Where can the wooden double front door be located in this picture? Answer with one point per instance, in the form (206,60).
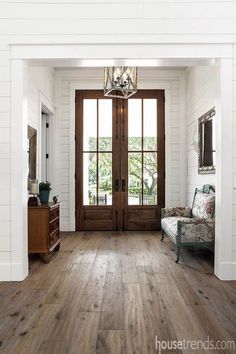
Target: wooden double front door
(120,161)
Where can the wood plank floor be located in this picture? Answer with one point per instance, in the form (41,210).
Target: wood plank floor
(113,293)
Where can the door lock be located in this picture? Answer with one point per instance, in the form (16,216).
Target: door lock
(123,185)
(117,184)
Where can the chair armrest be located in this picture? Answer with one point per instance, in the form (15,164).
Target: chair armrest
(177,211)
(196,230)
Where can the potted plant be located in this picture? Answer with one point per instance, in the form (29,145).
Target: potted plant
(44,191)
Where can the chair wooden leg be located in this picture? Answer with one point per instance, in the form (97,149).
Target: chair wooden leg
(162,234)
(212,247)
(177,253)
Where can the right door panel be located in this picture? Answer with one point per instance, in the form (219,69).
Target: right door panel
(143,160)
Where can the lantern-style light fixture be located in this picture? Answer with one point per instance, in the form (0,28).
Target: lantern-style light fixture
(120,81)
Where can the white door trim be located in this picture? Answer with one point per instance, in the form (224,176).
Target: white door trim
(19,197)
(151,85)
(45,104)
(152,53)
(224,267)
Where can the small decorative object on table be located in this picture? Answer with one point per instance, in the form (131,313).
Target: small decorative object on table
(44,191)
(55,199)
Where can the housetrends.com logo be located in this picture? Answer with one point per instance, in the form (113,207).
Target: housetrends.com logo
(184,344)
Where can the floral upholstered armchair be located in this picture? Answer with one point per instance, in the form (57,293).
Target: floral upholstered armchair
(191,226)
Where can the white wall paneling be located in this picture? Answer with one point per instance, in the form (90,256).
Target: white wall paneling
(106,10)
(41,86)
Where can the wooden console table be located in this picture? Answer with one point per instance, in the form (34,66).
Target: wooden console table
(44,230)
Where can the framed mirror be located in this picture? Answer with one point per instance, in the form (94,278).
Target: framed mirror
(32,153)
(206,143)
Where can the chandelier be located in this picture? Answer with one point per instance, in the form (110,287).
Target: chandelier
(120,81)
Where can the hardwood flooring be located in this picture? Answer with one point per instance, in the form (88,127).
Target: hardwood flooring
(115,293)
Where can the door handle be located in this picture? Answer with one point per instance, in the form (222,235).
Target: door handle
(123,185)
(117,183)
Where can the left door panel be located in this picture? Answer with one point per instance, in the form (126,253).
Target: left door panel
(94,161)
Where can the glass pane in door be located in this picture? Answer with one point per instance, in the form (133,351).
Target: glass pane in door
(150,178)
(134,124)
(135,178)
(89,178)
(97,152)
(105,125)
(149,124)
(90,125)
(105,178)
(142,151)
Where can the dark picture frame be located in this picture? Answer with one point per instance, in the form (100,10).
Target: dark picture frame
(32,153)
(206,151)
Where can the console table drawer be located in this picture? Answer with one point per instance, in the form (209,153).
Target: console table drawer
(53,238)
(54,213)
(54,225)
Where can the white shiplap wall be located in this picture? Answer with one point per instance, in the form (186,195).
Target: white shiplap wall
(173,79)
(166,21)
(117,21)
(201,97)
(41,82)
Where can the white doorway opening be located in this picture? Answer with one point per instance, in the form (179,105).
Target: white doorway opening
(154,55)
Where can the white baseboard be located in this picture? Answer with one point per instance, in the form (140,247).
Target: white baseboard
(13,272)
(65,226)
(227,271)
(19,271)
(5,272)
(233,271)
